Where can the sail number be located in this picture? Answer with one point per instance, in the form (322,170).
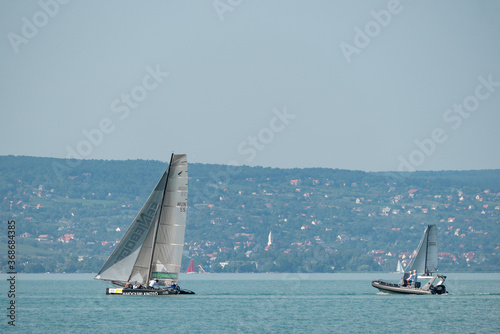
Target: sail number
(182,206)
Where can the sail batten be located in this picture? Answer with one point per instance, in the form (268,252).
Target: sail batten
(152,247)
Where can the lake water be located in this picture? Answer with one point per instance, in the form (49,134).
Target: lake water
(253,303)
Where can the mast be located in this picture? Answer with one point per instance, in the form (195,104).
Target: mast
(157,222)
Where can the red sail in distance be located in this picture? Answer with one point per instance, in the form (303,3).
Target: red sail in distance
(191,267)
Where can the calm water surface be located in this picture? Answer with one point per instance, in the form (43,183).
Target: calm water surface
(254,303)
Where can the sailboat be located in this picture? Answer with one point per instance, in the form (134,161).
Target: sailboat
(425,262)
(191,269)
(151,250)
(399,268)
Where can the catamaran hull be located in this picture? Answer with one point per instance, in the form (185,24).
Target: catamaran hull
(395,288)
(146,292)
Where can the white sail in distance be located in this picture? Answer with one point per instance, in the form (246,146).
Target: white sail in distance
(399,268)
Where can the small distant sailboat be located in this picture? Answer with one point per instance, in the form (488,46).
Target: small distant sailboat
(151,250)
(425,261)
(399,268)
(191,269)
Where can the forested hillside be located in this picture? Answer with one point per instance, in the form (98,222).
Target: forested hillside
(70,214)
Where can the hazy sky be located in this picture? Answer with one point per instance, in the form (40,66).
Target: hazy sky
(368,85)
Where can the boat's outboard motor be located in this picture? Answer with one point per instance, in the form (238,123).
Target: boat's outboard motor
(440,289)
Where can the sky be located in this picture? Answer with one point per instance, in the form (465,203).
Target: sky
(363,85)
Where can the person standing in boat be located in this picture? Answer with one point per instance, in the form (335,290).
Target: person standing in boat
(413,278)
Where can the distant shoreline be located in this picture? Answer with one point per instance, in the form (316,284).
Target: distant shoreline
(263,276)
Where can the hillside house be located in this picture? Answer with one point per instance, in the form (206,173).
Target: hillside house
(66,238)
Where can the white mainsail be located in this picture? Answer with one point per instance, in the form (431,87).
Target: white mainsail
(152,247)
(426,258)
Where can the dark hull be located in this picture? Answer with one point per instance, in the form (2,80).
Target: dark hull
(147,292)
(395,288)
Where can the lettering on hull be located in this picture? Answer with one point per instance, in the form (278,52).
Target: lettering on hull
(140,293)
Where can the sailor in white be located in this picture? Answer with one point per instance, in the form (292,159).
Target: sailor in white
(154,284)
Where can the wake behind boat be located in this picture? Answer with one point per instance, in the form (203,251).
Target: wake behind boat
(425,261)
(147,260)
